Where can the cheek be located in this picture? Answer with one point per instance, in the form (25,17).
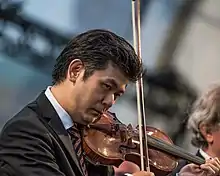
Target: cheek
(216,137)
(89,96)
(93,96)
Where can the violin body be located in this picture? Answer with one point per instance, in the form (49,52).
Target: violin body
(112,149)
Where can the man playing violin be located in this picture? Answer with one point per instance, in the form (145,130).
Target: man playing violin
(44,139)
(204,123)
(89,75)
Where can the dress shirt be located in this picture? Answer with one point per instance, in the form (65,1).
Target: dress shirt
(63,115)
(204,154)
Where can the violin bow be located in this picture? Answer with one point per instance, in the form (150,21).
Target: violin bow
(145,166)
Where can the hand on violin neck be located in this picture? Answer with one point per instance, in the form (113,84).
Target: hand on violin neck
(210,168)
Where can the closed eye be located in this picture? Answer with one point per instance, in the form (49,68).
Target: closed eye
(107,87)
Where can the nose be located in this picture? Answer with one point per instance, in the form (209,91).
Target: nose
(108,101)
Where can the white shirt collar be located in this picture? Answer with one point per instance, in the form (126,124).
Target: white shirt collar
(64,116)
(204,154)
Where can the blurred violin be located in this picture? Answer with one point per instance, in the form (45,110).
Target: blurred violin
(110,142)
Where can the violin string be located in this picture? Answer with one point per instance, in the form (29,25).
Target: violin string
(174,150)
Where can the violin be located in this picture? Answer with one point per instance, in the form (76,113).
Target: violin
(110,142)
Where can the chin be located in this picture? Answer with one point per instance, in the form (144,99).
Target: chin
(88,120)
(90,117)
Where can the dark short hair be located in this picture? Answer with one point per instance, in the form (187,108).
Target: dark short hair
(96,49)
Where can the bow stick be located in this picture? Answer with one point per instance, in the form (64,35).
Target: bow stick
(139,87)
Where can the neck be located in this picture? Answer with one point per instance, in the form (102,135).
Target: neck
(210,152)
(61,94)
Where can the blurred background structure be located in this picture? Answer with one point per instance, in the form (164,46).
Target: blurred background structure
(180,50)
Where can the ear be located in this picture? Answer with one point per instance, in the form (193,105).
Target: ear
(206,133)
(74,69)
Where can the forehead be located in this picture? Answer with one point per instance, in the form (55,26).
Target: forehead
(111,73)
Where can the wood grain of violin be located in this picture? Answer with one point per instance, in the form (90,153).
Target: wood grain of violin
(110,142)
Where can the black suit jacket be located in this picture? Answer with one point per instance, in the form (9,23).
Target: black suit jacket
(35,143)
(182,163)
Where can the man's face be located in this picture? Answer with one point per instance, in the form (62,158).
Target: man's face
(212,135)
(97,93)
(215,144)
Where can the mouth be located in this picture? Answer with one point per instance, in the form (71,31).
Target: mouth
(97,114)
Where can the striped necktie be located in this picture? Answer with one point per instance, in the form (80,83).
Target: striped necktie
(77,144)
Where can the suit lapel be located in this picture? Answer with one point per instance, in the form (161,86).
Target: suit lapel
(48,113)
(57,126)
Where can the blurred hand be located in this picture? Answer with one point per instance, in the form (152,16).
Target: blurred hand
(126,167)
(143,173)
(129,167)
(210,168)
